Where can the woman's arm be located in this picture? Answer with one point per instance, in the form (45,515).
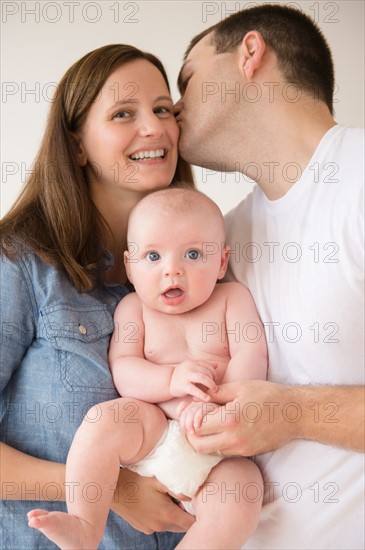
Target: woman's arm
(143,502)
(24,477)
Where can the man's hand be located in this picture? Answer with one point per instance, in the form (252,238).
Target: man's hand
(259,416)
(190,374)
(246,424)
(145,504)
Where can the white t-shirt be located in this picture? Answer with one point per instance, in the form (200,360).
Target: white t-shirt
(302,257)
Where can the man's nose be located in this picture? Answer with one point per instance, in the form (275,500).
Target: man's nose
(177,107)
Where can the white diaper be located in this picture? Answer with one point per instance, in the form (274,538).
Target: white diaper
(175,463)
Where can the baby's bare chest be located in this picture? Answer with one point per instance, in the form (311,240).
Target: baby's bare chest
(175,338)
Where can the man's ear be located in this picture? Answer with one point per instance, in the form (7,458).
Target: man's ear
(127,266)
(251,51)
(79,149)
(226,250)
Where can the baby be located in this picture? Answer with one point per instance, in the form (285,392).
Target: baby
(176,339)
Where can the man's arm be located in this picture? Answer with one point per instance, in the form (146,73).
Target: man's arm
(259,416)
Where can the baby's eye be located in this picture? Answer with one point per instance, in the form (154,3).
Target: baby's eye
(193,254)
(153,256)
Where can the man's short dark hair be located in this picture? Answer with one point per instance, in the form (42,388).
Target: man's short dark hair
(303,54)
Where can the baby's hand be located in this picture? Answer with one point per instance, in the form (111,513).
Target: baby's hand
(191,414)
(188,374)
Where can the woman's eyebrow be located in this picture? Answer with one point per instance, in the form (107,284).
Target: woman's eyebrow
(135,100)
(163,98)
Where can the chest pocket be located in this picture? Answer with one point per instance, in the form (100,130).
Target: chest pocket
(80,339)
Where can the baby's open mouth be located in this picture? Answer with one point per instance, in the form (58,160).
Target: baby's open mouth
(173,293)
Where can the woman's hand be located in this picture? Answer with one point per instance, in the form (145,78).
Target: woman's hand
(145,504)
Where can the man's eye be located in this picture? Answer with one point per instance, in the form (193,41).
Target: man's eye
(183,84)
(153,256)
(193,254)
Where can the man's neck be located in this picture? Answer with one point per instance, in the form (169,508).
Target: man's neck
(284,146)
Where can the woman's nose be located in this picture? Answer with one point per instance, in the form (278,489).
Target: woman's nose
(151,125)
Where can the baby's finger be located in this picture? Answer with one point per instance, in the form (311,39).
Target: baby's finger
(194,391)
(181,407)
(198,417)
(188,420)
(205,380)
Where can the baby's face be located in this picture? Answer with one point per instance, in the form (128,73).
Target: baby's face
(175,260)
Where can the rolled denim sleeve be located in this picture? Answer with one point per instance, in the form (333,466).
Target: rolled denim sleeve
(18,326)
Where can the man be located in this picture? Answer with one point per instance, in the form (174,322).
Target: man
(257,97)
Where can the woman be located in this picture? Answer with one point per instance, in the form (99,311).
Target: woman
(111,138)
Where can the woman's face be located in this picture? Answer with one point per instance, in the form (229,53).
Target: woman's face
(129,139)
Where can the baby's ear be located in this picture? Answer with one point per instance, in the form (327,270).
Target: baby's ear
(127,265)
(226,250)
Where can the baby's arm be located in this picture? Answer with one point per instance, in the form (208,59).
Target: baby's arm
(135,376)
(247,348)
(246,337)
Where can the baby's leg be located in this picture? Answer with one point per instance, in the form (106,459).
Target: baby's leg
(227,507)
(116,432)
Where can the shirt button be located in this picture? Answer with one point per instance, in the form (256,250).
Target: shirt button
(82,329)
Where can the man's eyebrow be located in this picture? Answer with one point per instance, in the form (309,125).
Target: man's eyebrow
(180,78)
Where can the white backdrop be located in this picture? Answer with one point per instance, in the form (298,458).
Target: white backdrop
(40,40)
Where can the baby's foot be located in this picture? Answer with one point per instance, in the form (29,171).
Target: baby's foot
(67,531)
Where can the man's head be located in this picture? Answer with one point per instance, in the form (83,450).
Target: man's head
(176,250)
(225,79)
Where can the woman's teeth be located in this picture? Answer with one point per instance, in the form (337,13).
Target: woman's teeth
(159,153)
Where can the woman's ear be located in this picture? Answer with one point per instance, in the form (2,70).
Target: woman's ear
(251,51)
(79,149)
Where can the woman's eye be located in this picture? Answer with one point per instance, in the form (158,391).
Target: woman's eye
(153,256)
(193,254)
(163,110)
(122,114)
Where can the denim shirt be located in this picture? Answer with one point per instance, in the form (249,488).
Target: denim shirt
(54,367)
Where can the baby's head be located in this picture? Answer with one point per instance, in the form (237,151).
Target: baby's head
(176,249)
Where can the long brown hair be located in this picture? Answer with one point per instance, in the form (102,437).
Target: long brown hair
(54,215)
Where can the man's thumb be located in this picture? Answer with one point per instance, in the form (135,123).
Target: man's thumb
(225,393)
